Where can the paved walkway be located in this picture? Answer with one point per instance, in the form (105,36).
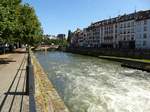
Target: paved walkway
(12,83)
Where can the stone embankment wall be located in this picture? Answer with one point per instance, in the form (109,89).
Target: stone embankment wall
(47,98)
(122,56)
(132,53)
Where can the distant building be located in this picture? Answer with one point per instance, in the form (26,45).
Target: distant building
(126,32)
(50,36)
(61,36)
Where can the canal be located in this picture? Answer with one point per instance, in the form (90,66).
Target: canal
(89,84)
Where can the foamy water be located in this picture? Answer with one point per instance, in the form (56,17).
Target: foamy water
(89,84)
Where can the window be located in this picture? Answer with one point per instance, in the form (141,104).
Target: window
(129,24)
(144,43)
(124,25)
(128,30)
(145,22)
(121,25)
(145,28)
(145,35)
(132,23)
(124,32)
(132,30)
(140,36)
(132,36)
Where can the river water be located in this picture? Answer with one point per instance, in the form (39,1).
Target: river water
(89,84)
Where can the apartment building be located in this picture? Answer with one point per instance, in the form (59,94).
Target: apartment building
(128,31)
(107,33)
(142,30)
(93,36)
(77,39)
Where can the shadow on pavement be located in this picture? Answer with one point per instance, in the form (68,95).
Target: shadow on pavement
(16,93)
(6,60)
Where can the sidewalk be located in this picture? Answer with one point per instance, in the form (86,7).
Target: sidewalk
(12,83)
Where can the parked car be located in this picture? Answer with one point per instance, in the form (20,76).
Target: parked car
(4,48)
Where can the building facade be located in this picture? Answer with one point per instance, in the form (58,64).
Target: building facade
(129,31)
(142,30)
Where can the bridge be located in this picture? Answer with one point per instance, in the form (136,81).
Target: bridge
(47,47)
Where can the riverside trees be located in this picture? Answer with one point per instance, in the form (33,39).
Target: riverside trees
(18,23)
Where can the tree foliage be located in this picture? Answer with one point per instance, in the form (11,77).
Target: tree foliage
(19,23)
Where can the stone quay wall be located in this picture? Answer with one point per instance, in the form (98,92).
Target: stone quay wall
(129,53)
(46,97)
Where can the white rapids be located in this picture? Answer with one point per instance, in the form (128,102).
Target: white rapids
(88,84)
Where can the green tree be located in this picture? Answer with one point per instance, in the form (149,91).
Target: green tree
(30,27)
(19,23)
(8,19)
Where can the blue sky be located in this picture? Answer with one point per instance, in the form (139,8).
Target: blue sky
(58,16)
